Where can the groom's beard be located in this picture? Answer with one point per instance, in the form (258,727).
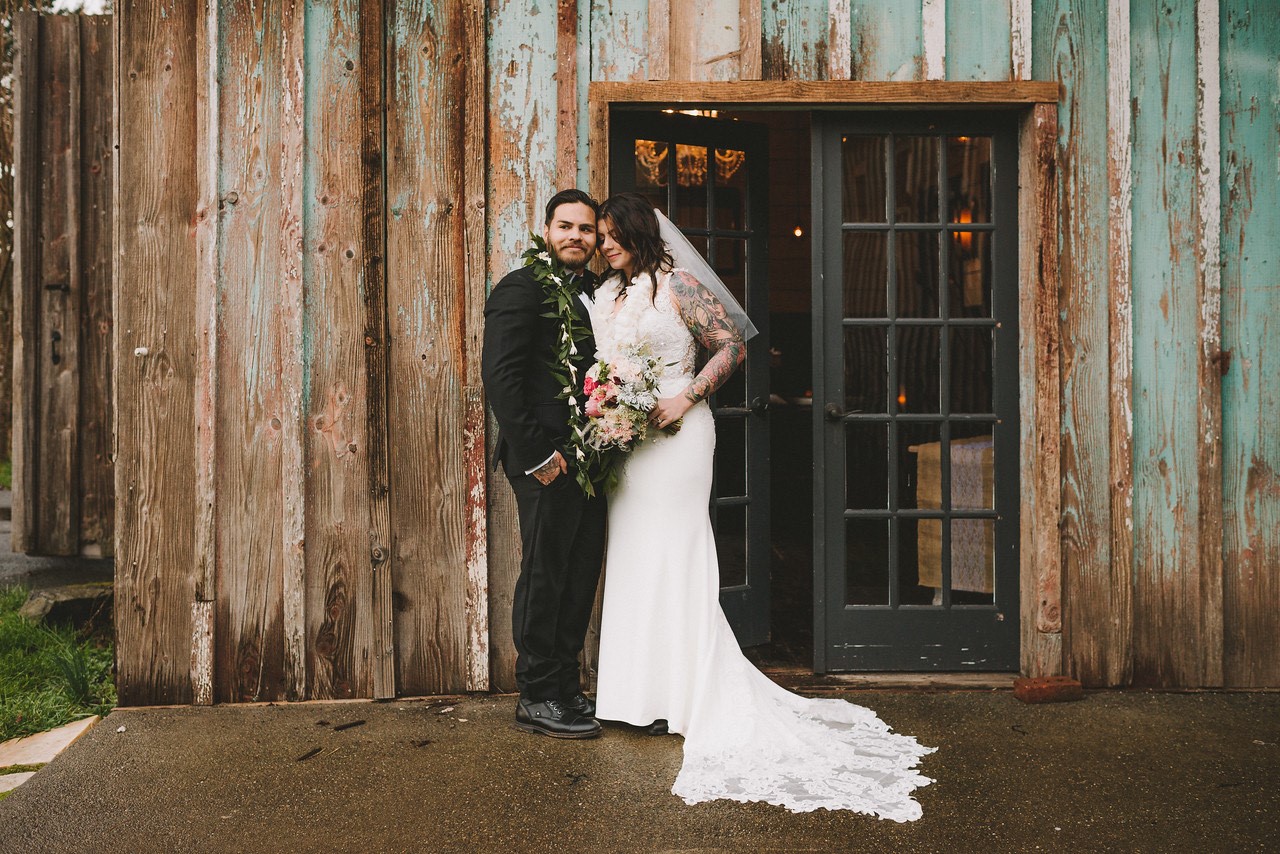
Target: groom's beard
(574,262)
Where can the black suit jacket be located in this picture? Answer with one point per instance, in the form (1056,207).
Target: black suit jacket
(518,346)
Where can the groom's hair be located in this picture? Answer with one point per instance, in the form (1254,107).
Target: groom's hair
(570,197)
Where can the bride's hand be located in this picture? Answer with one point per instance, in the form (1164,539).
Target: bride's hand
(669,410)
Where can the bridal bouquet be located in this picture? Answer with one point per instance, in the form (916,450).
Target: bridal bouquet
(619,396)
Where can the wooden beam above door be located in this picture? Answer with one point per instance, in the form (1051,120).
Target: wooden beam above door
(833,92)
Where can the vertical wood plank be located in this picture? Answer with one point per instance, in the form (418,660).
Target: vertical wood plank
(97,504)
(1120,337)
(749,40)
(1020,39)
(704,42)
(933,38)
(57,497)
(566,93)
(886,44)
(374,623)
(292,314)
(207,231)
(1070,35)
(425,298)
(521,151)
(978,41)
(156,199)
(26,276)
(1166,504)
(1250,128)
(621,54)
(343,343)
(794,35)
(660,39)
(1208,225)
(243,52)
(1041,577)
(839,50)
(475,174)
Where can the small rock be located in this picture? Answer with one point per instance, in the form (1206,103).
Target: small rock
(74,604)
(120,728)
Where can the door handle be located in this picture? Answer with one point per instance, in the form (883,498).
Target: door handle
(834,413)
(759,406)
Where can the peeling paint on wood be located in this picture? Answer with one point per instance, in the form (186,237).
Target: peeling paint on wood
(292,320)
(1167,573)
(839,46)
(1040,422)
(1020,39)
(1070,37)
(933,37)
(1250,138)
(885,40)
(794,33)
(1208,210)
(660,26)
(1120,250)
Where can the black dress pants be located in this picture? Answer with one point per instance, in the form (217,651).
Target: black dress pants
(562,532)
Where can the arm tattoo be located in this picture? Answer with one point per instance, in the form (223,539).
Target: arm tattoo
(710,325)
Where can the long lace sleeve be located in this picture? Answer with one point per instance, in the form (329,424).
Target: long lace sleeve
(707,320)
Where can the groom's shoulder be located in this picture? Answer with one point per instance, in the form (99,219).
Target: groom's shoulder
(515,288)
(520,276)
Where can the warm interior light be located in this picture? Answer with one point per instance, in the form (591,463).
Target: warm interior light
(798,231)
(965,237)
(902,395)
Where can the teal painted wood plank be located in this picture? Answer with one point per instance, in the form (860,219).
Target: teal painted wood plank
(612,45)
(1070,46)
(1166,342)
(885,38)
(522,125)
(522,163)
(978,40)
(619,38)
(795,34)
(1250,45)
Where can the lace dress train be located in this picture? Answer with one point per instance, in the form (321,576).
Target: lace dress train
(667,651)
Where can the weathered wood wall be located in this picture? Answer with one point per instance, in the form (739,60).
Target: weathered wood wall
(304,507)
(297,189)
(62,469)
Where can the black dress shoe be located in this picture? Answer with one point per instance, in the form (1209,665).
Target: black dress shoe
(550,717)
(582,704)
(658,727)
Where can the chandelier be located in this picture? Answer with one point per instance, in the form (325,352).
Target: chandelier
(691,163)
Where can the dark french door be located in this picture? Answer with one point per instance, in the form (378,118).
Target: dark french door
(709,177)
(915,392)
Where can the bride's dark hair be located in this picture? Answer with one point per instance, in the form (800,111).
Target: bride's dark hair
(634,226)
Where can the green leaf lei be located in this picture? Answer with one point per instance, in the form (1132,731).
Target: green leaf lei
(554,279)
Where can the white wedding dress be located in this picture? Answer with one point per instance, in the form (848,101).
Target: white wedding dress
(666,649)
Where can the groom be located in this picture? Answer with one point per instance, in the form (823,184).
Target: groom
(561,530)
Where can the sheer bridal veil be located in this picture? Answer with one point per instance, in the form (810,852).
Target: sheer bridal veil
(686,256)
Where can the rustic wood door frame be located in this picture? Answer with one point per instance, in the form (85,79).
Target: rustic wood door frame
(1040,408)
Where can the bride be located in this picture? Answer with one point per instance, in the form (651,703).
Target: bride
(668,658)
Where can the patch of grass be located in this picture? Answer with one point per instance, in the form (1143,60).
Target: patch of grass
(6,474)
(48,676)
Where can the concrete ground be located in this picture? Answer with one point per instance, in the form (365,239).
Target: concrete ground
(1118,771)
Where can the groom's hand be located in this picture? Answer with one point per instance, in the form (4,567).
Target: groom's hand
(553,468)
